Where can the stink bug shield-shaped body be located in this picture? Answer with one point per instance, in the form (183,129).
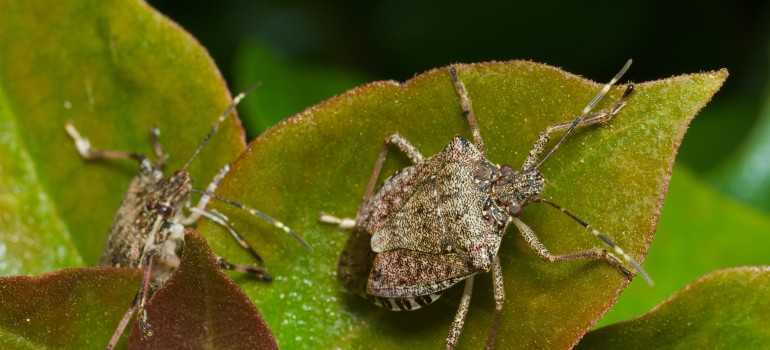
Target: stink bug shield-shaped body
(441,220)
(149,223)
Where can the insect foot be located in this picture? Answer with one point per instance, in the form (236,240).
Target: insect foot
(440,221)
(149,224)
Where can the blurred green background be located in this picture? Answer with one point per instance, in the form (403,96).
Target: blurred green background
(717,213)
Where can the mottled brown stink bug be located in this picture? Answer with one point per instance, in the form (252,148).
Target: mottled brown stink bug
(441,220)
(149,223)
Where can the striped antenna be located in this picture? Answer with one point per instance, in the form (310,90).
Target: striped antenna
(258,214)
(601,236)
(221,118)
(588,109)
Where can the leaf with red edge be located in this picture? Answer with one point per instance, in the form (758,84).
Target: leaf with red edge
(66,309)
(614,176)
(199,307)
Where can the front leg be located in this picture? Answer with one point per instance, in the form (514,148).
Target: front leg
(533,158)
(465,102)
(84,148)
(593,254)
(257,272)
(197,211)
(223,221)
(160,156)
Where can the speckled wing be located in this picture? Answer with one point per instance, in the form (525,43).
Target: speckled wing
(445,208)
(405,273)
(390,198)
(125,243)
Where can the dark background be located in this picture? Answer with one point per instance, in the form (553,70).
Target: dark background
(397,39)
(376,40)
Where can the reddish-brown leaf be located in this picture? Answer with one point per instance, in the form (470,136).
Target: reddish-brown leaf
(199,307)
(65,309)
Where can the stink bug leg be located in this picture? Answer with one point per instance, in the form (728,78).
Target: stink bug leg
(441,220)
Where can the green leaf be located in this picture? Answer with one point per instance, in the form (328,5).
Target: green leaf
(700,231)
(66,309)
(115,69)
(199,307)
(613,176)
(726,309)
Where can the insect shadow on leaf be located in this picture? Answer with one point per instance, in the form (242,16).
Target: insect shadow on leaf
(149,223)
(441,220)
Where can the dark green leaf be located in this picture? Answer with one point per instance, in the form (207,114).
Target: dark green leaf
(726,309)
(613,176)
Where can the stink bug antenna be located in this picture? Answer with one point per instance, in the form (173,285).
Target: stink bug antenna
(221,118)
(258,214)
(601,236)
(589,107)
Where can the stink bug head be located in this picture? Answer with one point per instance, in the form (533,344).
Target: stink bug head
(512,190)
(170,195)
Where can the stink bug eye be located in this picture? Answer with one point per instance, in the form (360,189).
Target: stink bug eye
(506,170)
(165,210)
(161,209)
(515,210)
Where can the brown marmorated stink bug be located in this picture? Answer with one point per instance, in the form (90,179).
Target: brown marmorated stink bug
(441,220)
(149,223)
